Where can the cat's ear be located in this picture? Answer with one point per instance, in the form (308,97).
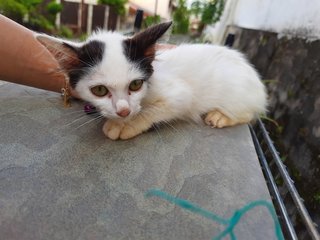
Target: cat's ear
(149,36)
(142,45)
(63,52)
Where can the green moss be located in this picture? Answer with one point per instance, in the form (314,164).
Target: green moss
(290,94)
(263,41)
(316,197)
(270,81)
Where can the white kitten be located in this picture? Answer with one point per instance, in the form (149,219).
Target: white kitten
(134,86)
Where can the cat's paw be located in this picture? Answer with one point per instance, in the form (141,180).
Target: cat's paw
(112,129)
(218,120)
(129,131)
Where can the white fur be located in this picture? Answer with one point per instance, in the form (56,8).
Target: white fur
(115,72)
(188,82)
(196,79)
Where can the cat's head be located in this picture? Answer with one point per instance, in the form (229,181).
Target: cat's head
(109,70)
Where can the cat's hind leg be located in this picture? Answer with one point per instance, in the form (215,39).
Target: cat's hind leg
(218,119)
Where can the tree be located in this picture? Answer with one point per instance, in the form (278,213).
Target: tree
(119,5)
(197,7)
(212,11)
(209,11)
(27,12)
(181,18)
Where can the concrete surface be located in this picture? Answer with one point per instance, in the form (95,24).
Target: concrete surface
(59,182)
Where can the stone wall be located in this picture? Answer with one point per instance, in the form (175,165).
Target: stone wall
(291,69)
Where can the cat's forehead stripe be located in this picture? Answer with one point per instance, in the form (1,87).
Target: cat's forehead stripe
(141,56)
(90,54)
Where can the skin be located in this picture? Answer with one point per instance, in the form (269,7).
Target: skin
(28,62)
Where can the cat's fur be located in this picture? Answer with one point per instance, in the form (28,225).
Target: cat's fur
(189,82)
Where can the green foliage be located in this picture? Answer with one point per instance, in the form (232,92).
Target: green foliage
(39,21)
(118,4)
(83,37)
(27,13)
(181,18)
(197,7)
(65,32)
(151,20)
(209,10)
(12,8)
(54,8)
(316,197)
(17,9)
(212,11)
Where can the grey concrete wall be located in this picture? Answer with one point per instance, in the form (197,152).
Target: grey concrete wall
(291,68)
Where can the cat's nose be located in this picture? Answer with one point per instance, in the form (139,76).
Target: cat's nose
(124,112)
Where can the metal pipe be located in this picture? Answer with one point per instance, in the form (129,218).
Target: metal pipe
(289,183)
(273,187)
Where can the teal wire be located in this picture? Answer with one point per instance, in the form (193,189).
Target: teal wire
(186,205)
(231,223)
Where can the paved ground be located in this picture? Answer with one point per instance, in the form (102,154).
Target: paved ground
(60,182)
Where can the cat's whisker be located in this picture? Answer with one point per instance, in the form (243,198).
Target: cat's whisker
(70,113)
(169,123)
(76,120)
(156,127)
(92,120)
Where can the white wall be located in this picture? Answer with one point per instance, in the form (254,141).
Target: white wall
(296,17)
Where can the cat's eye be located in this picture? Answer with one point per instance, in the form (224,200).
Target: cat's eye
(135,85)
(99,90)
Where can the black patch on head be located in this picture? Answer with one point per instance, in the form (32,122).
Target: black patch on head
(140,49)
(136,54)
(88,55)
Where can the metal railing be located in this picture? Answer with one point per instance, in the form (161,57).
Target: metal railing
(286,198)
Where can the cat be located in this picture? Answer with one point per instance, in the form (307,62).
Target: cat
(136,86)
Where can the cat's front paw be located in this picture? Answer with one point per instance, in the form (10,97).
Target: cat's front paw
(128,131)
(112,129)
(115,129)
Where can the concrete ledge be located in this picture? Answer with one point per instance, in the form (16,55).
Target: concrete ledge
(59,182)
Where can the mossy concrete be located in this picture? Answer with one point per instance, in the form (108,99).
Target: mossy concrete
(290,67)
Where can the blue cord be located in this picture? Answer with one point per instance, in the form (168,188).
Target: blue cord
(230,223)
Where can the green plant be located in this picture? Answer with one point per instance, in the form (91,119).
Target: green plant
(208,11)
(316,197)
(151,20)
(53,8)
(212,11)
(197,7)
(118,4)
(13,9)
(181,18)
(83,37)
(65,32)
(39,22)
(18,9)
(27,12)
